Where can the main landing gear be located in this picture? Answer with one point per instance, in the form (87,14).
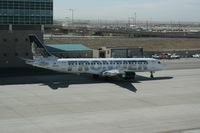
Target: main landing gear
(95,76)
(129,75)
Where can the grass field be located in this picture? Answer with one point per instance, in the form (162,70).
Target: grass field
(149,44)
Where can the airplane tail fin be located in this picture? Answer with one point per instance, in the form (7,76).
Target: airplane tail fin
(38,49)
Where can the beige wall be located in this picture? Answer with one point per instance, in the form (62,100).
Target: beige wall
(126,52)
(95,53)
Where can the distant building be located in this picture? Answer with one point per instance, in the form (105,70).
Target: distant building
(18,19)
(120,52)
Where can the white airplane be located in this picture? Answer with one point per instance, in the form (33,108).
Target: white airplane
(108,67)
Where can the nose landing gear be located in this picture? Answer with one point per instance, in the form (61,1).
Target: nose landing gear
(152,76)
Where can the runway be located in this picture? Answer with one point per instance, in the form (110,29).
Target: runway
(78,104)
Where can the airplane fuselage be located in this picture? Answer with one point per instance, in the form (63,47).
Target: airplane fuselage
(99,66)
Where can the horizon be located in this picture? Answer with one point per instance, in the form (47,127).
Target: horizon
(126,21)
(155,11)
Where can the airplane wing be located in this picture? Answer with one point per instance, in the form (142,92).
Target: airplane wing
(111,73)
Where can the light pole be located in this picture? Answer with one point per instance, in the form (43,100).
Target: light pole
(135,19)
(129,22)
(72,10)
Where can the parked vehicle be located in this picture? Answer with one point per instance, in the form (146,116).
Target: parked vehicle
(156,56)
(162,55)
(196,56)
(175,56)
(165,55)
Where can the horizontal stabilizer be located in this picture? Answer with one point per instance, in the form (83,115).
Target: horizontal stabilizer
(28,61)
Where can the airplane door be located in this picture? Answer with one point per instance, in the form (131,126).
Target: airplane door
(152,65)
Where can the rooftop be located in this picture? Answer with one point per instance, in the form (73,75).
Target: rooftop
(66,47)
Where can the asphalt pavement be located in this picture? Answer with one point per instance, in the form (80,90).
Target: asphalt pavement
(52,103)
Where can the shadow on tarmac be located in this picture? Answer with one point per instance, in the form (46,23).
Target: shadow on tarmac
(87,79)
(59,81)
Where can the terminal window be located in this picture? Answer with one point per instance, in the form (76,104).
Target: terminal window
(4,54)
(26,11)
(16,54)
(16,40)
(5,40)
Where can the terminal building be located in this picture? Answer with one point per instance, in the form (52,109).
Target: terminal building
(18,19)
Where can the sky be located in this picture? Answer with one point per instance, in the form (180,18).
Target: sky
(152,10)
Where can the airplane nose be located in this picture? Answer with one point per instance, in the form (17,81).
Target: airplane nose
(163,65)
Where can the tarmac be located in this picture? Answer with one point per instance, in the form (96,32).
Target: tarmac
(170,103)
